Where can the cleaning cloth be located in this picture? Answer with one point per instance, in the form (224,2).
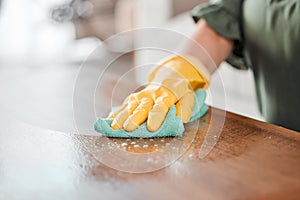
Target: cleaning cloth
(172,125)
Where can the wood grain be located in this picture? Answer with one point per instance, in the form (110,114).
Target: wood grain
(251,160)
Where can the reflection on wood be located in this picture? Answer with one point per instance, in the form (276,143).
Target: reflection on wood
(251,160)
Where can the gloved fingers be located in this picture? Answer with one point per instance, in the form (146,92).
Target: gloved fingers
(123,115)
(113,115)
(139,115)
(133,102)
(184,107)
(124,105)
(119,120)
(158,113)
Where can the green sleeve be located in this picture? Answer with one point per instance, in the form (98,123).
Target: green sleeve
(224,16)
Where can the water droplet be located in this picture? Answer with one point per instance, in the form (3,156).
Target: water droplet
(149,159)
(124,144)
(136,146)
(133,142)
(145,146)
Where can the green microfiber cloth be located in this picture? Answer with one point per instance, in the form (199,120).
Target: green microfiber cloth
(172,126)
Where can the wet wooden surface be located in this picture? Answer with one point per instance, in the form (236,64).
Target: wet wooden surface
(251,160)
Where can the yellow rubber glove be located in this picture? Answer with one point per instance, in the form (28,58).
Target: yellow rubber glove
(171,83)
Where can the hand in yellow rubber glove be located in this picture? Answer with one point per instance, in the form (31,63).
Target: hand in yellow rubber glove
(171,83)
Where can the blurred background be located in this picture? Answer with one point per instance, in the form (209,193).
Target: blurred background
(44,42)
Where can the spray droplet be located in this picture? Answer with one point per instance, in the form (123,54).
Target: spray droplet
(150,159)
(124,144)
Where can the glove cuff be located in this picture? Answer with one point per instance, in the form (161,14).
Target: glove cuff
(188,67)
(196,63)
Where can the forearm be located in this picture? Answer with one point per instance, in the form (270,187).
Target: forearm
(216,46)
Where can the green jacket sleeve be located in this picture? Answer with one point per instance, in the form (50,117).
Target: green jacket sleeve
(224,16)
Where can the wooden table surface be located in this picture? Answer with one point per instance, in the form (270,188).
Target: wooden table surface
(251,160)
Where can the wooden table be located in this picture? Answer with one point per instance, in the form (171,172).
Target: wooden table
(251,160)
